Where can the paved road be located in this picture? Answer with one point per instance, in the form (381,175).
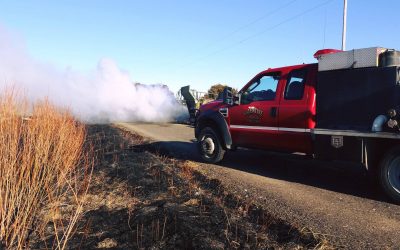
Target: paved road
(321,196)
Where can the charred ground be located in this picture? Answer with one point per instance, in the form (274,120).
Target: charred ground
(140,199)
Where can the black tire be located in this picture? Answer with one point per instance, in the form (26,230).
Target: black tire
(210,146)
(389,174)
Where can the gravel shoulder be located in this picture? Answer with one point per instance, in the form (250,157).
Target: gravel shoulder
(340,205)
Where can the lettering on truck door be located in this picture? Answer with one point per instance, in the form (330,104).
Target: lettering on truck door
(254,121)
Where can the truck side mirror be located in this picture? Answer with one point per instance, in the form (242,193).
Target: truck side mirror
(227,97)
(237,99)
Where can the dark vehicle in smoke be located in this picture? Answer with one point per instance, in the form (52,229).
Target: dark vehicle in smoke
(190,103)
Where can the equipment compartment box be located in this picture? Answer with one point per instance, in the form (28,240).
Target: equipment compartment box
(359,58)
(351,99)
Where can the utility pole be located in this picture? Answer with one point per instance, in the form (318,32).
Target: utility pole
(344,25)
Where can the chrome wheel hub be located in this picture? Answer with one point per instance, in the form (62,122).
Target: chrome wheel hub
(208,145)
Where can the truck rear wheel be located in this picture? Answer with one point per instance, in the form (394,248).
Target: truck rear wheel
(389,175)
(210,146)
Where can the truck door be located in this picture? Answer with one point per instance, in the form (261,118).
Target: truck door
(254,122)
(297,109)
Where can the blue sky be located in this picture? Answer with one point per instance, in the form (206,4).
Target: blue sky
(200,43)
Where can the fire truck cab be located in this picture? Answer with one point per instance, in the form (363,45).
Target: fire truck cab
(342,108)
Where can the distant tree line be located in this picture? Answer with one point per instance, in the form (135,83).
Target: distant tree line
(215,91)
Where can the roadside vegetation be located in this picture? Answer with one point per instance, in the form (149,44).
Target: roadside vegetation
(142,199)
(45,169)
(138,198)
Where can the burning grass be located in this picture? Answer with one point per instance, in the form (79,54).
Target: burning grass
(45,168)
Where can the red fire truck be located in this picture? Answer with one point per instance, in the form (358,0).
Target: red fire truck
(342,108)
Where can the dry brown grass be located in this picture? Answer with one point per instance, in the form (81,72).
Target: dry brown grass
(43,161)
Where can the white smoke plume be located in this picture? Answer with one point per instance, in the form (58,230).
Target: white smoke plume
(107,94)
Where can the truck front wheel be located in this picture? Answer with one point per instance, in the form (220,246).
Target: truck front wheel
(210,146)
(389,175)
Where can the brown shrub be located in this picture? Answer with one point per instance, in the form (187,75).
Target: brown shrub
(43,161)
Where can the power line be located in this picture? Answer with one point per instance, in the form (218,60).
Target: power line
(250,23)
(262,32)
(243,27)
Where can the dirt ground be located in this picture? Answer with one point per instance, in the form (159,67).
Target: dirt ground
(142,200)
(332,199)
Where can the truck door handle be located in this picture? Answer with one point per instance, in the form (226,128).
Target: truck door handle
(273,112)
